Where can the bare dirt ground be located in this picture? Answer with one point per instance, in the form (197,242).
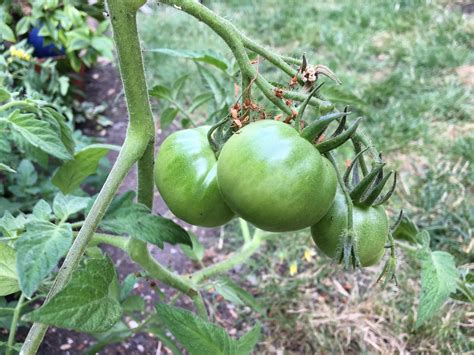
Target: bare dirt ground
(103,86)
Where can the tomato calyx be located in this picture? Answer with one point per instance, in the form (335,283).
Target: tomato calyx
(348,249)
(389,270)
(367,191)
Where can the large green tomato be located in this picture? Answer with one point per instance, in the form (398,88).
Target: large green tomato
(275,179)
(370,225)
(185,175)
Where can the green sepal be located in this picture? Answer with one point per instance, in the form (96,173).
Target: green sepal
(338,140)
(314,130)
(375,192)
(361,188)
(353,164)
(389,194)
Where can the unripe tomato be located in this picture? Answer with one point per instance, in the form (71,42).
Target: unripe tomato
(275,179)
(369,223)
(185,175)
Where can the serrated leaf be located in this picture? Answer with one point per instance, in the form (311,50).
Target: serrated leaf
(196,335)
(244,296)
(337,94)
(39,250)
(195,251)
(4,94)
(134,303)
(9,225)
(6,32)
(439,278)
(8,276)
(248,341)
(200,100)
(160,92)
(39,134)
(227,292)
(137,221)
(42,210)
(208,57)
(167,117)
(406,230)
(23,25)
(179,84)
(65,206)
(86,303)
(85,163)
(127,286)
(214,85)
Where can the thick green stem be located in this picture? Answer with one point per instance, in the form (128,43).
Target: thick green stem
(131,151)
(146,183)
(140,132)
(14,325)
(237,258)
(139,253)
(244,228)
(103,238)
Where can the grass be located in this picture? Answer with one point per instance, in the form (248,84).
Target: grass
(406,62)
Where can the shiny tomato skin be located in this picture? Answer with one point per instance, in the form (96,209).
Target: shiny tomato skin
(185,175)
(370,225)
(273,178)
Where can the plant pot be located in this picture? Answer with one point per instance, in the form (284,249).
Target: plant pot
(42,50)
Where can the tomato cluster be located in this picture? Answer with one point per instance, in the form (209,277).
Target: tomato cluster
(270,175)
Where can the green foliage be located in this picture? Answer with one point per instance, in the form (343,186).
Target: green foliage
(137,221)
(8,275)
(88,303)
(439,278)
(84,163)
(64,25)
(201,337)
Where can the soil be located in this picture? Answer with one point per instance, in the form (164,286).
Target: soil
(103,85)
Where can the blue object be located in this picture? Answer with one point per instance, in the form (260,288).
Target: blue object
(40,49)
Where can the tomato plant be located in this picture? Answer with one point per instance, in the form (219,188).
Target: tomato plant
(279,172)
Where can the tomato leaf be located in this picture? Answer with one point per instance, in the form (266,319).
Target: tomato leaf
(42,210)
(200,337)
(4,94)
(160,92)
(39,134)
(136,220)
(439,278)
(8,275)
(200,100)
(233,292)
(85,163)
(87,303)
(65,206)
(336,94)
(167,117)
(39,250)
(208,57)
(6,32)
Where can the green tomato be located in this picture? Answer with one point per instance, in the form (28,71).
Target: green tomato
(369,223)
(275,179)
(185,175)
